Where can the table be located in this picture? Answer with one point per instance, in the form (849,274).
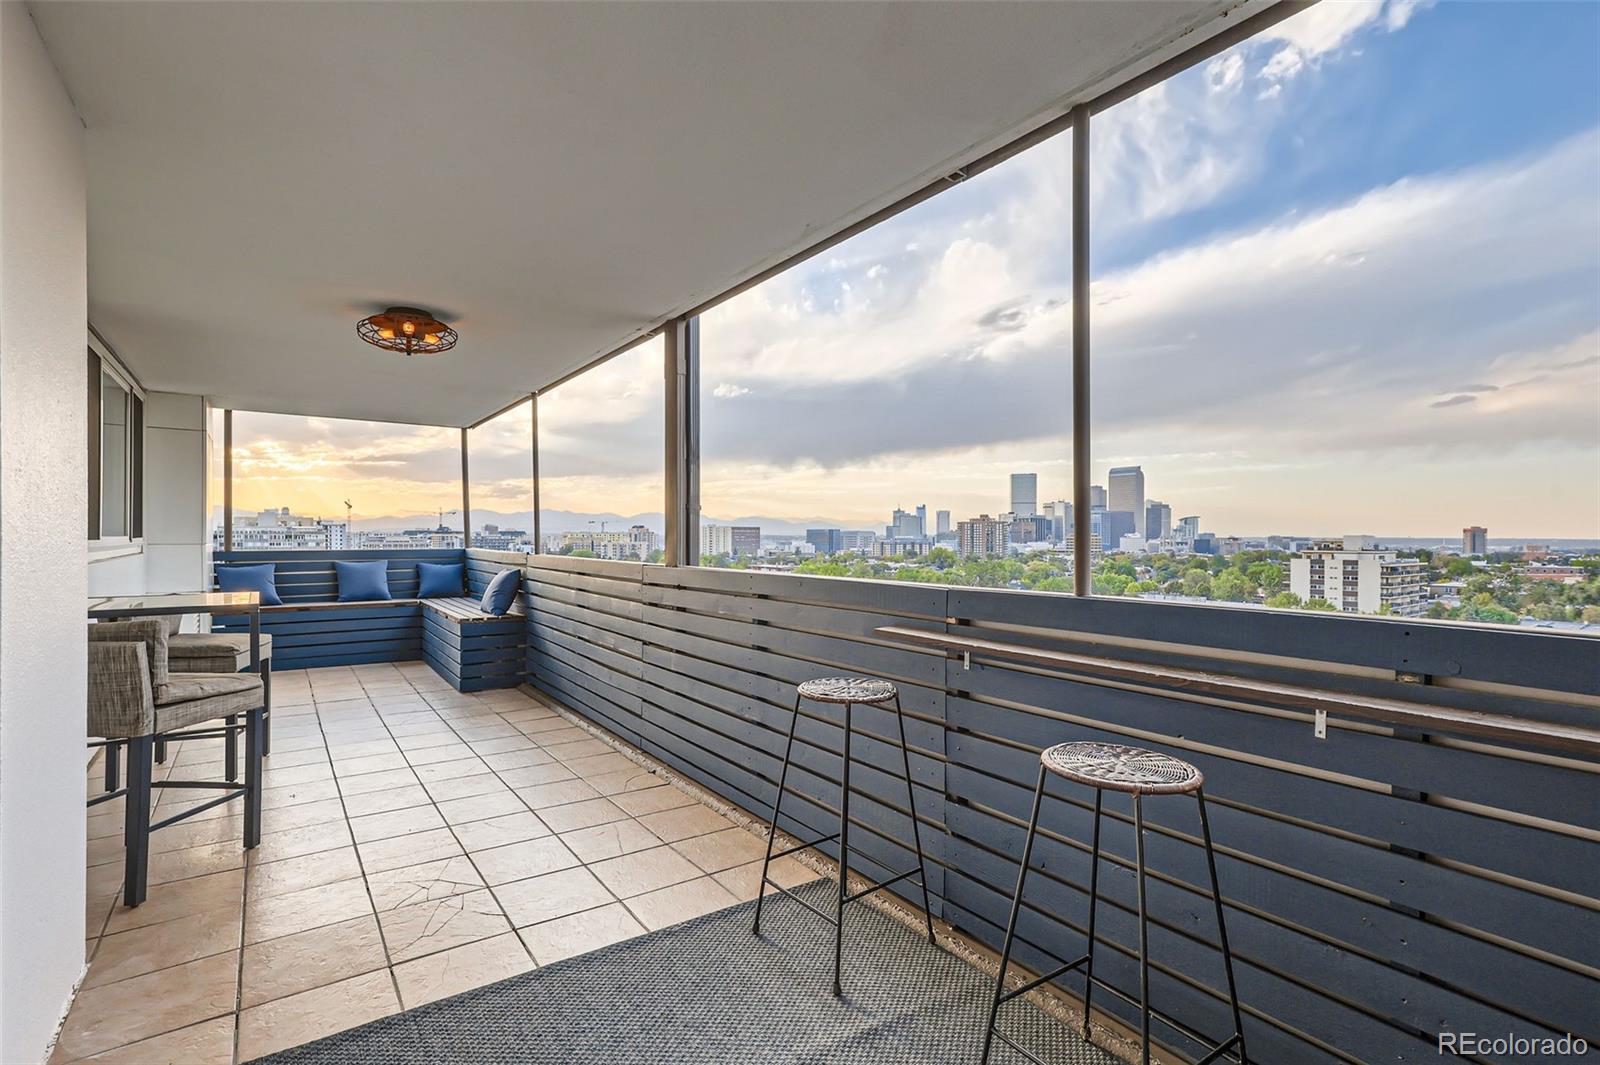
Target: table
(110,608)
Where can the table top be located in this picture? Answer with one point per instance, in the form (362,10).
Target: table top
(176,603)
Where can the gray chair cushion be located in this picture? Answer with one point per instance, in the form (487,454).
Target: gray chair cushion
(214,652)
(191,698)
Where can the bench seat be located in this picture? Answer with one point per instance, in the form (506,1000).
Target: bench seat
(306,635)
(473,650)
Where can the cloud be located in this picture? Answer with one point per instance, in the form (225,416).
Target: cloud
(1237,357)
(1454,401)
(726,390)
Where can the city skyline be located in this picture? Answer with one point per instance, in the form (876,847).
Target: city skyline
(1295,327)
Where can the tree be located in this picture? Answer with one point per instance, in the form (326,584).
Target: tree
(1197,582)
(1111,583)
(1284,601)
(1319,604)
(1268,576)
(1232,587)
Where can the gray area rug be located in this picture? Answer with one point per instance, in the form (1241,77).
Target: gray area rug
(707,991)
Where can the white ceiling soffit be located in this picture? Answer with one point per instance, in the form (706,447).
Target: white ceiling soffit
(552,179)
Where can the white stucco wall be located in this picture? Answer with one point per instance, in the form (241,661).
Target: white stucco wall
(43,514)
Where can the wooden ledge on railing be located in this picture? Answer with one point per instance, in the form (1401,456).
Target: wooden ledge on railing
(1574,739)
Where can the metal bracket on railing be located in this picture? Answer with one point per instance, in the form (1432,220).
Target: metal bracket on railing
(1321,727)
(966,659)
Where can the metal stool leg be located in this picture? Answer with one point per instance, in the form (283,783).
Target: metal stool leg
(266,707)
(1094,901)
(230,747)
(772,830)
(911,804)
(1144,933)
(1011,923)
(136,822)
(113,766)
(844,857)
(1222,928)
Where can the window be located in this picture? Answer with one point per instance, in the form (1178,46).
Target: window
(1347,304)
(602,459)
(333,484)
(501,474)
(900,405)
(116,453)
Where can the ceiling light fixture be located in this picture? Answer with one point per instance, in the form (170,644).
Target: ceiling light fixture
(410,330)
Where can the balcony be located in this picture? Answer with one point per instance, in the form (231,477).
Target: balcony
(547,846)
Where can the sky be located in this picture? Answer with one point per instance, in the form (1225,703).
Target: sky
(1346,278)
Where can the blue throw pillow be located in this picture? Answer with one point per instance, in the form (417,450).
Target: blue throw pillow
(436,579)
(261,578)
(361,581)
(501,593)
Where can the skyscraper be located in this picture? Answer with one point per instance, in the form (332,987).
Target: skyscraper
(1157,521)
(1097,496)
(1474,540)
(826,541)
(1189,528)
(1024,494)
(922,519)
(1127,494)
(1061,521)
(943,519)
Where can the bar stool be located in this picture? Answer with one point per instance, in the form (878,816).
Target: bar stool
(850,692)
(1140,772)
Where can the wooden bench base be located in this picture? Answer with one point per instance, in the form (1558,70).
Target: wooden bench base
(474,651)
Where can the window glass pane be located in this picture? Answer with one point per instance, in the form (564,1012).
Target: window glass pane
(501,472)
(602,459)
(333,484)
(869,407)
(114,457)
(1347,306)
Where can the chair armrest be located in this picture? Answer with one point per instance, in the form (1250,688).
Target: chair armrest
(152,632)
(121,702)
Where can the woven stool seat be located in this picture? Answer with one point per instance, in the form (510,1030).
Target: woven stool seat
(1120,768)
(847,690)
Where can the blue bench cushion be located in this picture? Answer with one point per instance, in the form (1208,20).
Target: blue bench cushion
(261,578)
(435,579)
(361,582)
(501,593)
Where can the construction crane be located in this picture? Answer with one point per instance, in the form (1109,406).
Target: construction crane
(442,513)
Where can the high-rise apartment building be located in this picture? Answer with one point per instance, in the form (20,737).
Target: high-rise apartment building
(981,536)
(1024,494)
(1127,494)
(1474,540)
(1359,577)
(943,519)
(732,540)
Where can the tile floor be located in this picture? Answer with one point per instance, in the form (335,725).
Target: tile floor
(416,843)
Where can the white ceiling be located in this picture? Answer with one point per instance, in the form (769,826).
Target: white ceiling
(551,178)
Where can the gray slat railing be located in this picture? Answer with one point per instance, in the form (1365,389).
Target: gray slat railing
(1382,884)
